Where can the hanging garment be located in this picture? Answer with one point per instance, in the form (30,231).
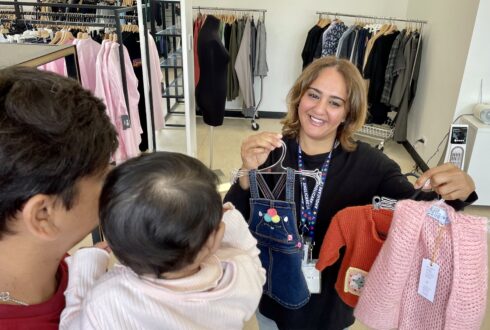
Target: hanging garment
(253,45)
(133,99)
(362,41)
(362,230)
(232,80)
(331,38)
(109,88)
(240,29)
(196,29)
(353,52)
(273,223)
(227,36)
(399,71)
(102,91)
(87,50)
(117,102)
(346,42)
(401,123)
(261,67)
(213,60)
(415,71)
(375,71)
(131,43)
(243,68)
(57,66)
(390,66)
(390,297)
(156,84)
(311,43)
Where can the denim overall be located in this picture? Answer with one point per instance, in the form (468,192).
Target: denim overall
(273,223)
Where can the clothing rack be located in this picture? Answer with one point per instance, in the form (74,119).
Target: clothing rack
(255,126)
(386,18)
(381,133)
(71,15)
(263,11)
(117,15)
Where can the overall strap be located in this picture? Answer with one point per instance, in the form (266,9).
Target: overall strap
(254,189)
(290,185)
(279,186)
(264,188)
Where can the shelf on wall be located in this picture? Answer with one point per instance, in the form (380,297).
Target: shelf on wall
(175,89)
(174,60)
(171,31)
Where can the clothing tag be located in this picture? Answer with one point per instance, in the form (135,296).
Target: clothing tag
(439,214)
(354,281)
(126,121)
(428,279)
(312,276)
(306,252)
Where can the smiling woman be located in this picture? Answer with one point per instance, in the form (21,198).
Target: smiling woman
(321,110)
(326,88)
(326,105)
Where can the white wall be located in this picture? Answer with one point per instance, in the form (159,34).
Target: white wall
(446,42)
(287,24)
(477,64)
(441,94)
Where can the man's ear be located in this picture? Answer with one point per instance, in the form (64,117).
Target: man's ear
(38,216)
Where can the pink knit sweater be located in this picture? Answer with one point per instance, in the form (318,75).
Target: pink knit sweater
(390,299)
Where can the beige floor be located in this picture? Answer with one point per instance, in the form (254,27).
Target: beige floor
(226,157)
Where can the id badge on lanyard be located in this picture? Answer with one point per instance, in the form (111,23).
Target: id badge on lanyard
(312,275)
(309,210)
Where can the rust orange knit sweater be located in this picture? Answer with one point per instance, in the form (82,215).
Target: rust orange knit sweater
(362,230)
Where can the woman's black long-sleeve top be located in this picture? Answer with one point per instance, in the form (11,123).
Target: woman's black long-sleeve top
(353,178)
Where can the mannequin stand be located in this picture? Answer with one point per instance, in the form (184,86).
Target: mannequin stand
(218,172)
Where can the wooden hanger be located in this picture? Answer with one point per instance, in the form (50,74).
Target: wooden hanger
(391,29)
(57,37)
(67,37)
(324,22)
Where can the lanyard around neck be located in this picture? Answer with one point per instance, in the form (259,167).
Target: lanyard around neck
(310,203)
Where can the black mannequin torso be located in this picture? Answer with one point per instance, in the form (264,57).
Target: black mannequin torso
(213,60)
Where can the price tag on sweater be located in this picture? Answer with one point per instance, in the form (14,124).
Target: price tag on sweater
(439,214)
(428,279)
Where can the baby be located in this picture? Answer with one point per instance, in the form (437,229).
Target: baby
(186,261)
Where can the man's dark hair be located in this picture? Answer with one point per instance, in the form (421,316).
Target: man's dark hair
(158,210)
(52,133)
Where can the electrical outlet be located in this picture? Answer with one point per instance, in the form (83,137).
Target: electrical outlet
(421,141)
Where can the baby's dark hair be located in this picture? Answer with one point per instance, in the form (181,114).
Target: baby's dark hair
(158,210)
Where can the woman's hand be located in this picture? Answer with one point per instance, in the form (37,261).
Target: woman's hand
(254,152)
(256,148)
(448,181)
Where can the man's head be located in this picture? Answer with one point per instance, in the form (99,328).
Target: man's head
(55,146)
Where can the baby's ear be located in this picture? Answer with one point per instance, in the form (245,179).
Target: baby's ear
(217,237)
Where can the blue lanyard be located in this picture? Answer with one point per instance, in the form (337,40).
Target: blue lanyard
(310,203)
